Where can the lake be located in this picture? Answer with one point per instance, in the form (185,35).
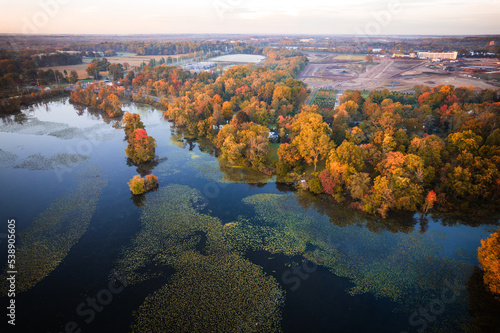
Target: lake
(215,248)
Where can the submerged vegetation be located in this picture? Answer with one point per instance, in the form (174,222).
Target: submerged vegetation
(210,282)
(213,287)
(389,265)
(62,160)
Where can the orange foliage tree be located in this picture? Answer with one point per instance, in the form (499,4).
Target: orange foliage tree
(489,259)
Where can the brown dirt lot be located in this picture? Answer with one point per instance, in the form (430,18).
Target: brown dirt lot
(326,71)
(394,74)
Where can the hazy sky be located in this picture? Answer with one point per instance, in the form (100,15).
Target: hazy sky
(368,17)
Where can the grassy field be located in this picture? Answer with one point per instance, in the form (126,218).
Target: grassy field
(273,151)
(130,58)
(488,76)
(353,57)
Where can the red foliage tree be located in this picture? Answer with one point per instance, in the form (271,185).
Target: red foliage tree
(140,134)
(327,182)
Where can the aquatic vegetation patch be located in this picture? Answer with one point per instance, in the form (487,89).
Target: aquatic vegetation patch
(215,293)
(406,268)
(98,133)
(214,289)
(34,126)
(7,158)
(54,232)
(63,160)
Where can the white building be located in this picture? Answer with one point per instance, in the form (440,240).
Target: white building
(438,55)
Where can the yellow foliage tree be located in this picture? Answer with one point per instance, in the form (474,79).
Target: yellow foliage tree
(489,259)
(313,138)
(136,185)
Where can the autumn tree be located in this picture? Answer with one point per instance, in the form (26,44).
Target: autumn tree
(139,185)
(344,162)
(93,70)
(141,147)
(399,186)
(430,199)
(73,77)
(244,144)
(359,185)
(227,110)
(489,259)
(136,185)
(116,70)
(313,137)
(288,158)
(132,121)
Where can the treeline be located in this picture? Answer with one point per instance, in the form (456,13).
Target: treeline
(14,104)
(390,151)
(100,96)
(57,59)
(20,68)
(166,48)
(390,45)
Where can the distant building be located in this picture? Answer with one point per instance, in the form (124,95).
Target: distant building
(403,55)
(273,135)
(438,55)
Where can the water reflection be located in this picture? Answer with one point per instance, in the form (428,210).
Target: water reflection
(147,168)
(18,118)
(139,200)
(343,215)
(484,308)
(285,187)
(424,223)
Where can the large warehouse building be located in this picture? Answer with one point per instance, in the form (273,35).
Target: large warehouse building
(438,55)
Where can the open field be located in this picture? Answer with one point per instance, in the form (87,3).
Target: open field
(239,58)
(130,58)
(395,74)
(326,57)
(353,57)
